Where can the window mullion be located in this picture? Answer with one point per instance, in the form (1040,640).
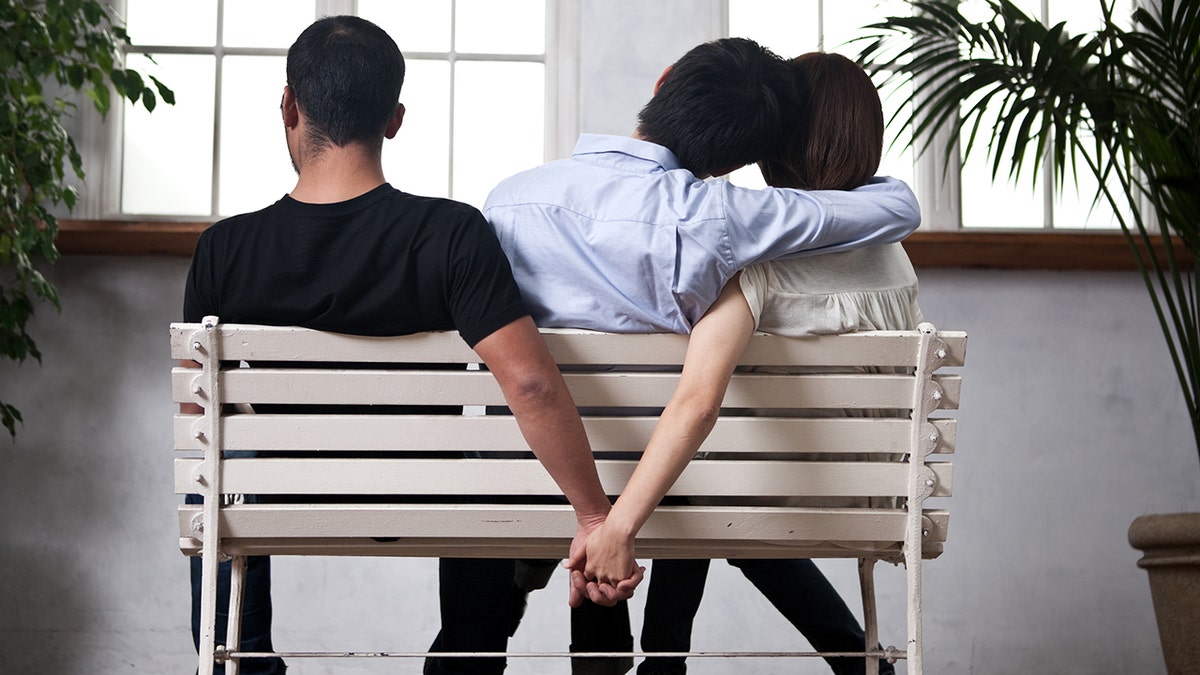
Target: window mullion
(219,56)
(938,170)
(335,7)
(102,150)
(562,77)
(452,57)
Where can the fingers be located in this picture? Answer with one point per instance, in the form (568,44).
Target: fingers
(581,587)
(577,588)
(584,584)
(627,585)
(600,594)
(606,595)
(574,597)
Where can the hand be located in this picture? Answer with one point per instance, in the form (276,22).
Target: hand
(602,593)
(602,566)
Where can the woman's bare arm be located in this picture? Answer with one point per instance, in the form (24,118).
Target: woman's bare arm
(716,343)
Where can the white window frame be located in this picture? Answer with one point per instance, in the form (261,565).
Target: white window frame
(100,138)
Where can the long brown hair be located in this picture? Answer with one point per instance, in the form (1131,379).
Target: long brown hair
(835,139)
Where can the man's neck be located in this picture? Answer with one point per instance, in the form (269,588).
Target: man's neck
(637,134)
(337,175)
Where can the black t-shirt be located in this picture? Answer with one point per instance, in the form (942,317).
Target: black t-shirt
(383,263)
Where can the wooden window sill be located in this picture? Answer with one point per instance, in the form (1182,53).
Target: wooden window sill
(122,237)
(1014,250)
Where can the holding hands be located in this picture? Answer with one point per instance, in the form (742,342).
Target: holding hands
(602,566)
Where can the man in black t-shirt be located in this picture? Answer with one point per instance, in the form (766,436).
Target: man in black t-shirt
(346,252)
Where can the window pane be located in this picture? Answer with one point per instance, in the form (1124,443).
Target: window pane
(844,20)
(897,160)
(500,26)
(499,124)
(266,23)
(168,155)
(786,27)
(415,25)
(1000,204)
(1074,208)
(255,168)
(417,160)
(1084,16)
(980,11)
(191,23)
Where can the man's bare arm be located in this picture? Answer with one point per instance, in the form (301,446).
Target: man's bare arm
(537,395)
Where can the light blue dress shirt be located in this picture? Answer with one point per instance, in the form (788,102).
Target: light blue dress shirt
(620,238)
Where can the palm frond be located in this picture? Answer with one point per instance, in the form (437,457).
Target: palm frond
(1120,103)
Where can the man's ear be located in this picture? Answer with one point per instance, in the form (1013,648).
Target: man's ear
(662,78)
(394,123)
(289,109)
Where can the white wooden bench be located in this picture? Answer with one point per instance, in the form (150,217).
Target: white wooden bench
(293,366)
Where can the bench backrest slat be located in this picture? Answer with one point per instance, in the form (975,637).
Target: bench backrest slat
(439,387)
(715,478)
(570,347)
(417,433)
(715,526)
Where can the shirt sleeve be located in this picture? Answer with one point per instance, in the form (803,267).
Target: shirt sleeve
(776,223)
(198,293)
(484,297)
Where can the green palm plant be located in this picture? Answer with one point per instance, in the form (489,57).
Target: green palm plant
(1122,103)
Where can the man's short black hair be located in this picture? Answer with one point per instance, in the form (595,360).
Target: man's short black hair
(721,106)
(346,74)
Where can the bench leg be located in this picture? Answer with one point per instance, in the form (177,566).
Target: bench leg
(912,564)
(866,584)
(208,612)
(237,592)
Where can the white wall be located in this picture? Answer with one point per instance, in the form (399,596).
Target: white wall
(1071,426)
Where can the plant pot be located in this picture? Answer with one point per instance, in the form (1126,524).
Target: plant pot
(1170,545)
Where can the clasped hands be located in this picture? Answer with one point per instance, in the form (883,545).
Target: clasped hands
(602,567)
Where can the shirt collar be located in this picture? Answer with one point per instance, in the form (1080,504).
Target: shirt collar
(634,149)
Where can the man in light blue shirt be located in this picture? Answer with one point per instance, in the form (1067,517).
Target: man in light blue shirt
(627,237)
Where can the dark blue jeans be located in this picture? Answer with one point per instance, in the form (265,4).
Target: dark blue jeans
(796,588)
(256,609)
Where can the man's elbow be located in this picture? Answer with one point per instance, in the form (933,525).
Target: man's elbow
(908,214)
(903,219)
(533,390)
(910,220)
